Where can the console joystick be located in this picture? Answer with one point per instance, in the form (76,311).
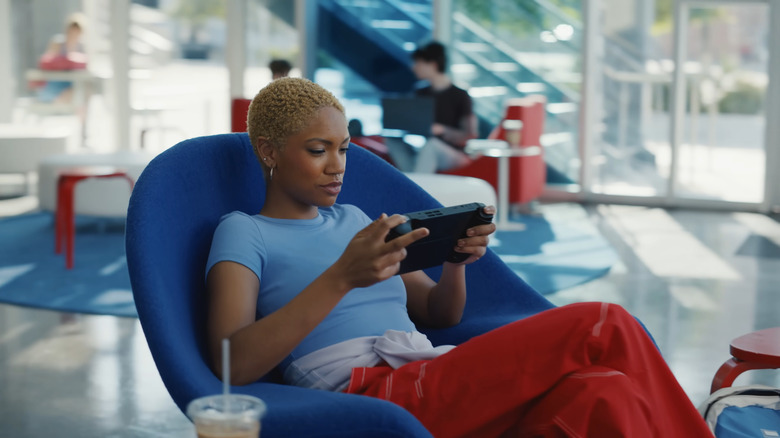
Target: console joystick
(399,230)
(479,217)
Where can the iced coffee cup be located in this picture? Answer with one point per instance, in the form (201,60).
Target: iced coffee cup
(227,416)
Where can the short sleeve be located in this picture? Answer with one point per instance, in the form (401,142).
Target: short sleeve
(237,239)
(360,216)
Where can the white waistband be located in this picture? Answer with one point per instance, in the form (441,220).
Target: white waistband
(330,368)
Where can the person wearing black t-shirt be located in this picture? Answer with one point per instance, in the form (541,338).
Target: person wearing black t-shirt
(454,120)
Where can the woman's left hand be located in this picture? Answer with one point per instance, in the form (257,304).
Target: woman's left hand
(476,241)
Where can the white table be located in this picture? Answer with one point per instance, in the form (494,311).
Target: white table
(84,81)
(500,149)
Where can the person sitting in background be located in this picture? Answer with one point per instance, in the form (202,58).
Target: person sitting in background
(65,52)
(454,120)
(280,68)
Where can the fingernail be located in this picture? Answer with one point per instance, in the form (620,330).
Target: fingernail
(461,242)
(470,232)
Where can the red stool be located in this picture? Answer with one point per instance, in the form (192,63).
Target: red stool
(754,351)
(64,222)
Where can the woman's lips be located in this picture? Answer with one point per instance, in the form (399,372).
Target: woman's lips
(332,188)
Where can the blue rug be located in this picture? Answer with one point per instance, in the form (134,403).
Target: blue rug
(550,256)
(32,275)
(555,255)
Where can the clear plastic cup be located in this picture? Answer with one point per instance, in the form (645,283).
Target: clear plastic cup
(231,416)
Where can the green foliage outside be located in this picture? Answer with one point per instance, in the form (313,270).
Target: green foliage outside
(664,15)
(197,12)
(745,98)
(502,15)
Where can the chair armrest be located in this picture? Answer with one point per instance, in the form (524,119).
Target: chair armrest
(295,411)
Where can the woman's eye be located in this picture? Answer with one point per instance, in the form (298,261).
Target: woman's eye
(343,150)
(316,151)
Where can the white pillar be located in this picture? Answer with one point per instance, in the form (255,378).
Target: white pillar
(92,12)
(677,109)
(236,46)
(264,35)
(7,82)
(306,24)
(120,66)
(442,21)
(772,135)
(590,103)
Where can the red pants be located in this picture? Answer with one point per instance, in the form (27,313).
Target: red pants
(586,369)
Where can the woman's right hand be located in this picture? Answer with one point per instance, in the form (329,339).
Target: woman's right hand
(368,259)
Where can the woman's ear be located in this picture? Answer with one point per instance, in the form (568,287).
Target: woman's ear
(267,152)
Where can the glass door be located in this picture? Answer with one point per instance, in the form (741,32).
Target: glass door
(629,78)
(676,103)
(719,144)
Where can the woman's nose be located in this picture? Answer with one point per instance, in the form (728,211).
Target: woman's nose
(336,164)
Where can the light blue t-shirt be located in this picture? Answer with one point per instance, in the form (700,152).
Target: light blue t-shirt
(288,254)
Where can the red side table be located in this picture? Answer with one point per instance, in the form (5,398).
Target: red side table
(64,221)
(754,351)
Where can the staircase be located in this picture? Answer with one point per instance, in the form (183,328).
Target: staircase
(375,38)
(496,67)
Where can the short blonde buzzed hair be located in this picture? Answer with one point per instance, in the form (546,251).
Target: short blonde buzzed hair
(285,107)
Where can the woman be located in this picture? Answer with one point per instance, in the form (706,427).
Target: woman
(65,52)
(309,285)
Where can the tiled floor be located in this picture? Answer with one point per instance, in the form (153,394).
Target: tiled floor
(696,279)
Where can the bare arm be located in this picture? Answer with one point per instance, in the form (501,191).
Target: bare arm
(441,304)
(458,136)
(436,304)
(53,48)
(258,346)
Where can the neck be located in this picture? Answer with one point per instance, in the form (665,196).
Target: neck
(440,82)
(281,207)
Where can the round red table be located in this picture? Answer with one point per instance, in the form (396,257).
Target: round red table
(64,222)
(754,351)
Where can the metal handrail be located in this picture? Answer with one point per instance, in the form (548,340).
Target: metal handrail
(649,79)
(419,19)
(506,50)
(559,14)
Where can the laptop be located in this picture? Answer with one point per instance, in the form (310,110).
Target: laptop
(412,114)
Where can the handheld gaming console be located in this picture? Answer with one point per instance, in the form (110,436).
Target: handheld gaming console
(446,226)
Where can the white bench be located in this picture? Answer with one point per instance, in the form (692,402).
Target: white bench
(23,147)
(98,197)
(455,190)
